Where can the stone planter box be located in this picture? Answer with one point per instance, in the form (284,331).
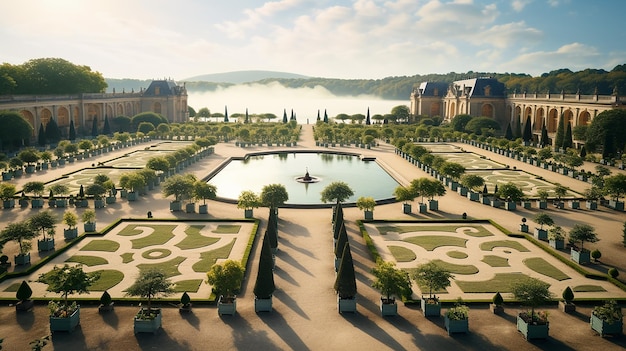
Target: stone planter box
(560,205)
(496,203)
(423,208)
(99,203)
(7,204)
(510,205)
(616,205)
(82,203)
(45,245)
(7,176)
(23,203)
(148,325)
(485,200)
(462,191)
(60,203)
(65,324)
(526,204)
(368,215)
(262,305)
(36,203)
(581,257)
(26,305)
(388,308)
(603,328)
(203,209)
(248,213)
(433,205)
(496,309)
(473,196)
(132,196)
(70,234)
(542,205)
(110,200)
(532,331)
(541,234)
(90,227)
(346,305)
(176,206)
(22,259)
(190,207)
(591,205)
(557,244)
(430,309)
(456,326)
(567,307)
(523,228)
(229,308)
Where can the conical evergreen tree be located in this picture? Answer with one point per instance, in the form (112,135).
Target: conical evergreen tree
(325,116)
(292,116)
(94,127)
(508,135)
(284,115)
(341,241)
(337,209)
(560,132)
(226,114)
(106,130)
(528,134)
(272,231)
(41,135)
(264,285)
(567,138)
(583,152)
(247,120)
(367,118)
(318,115)
(345,283)
(72,131)
(53,134)
(544,135)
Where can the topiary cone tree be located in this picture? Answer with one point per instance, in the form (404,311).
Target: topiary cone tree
(342,239)
(345,283)
(568,295)
(264,285)
(24,292)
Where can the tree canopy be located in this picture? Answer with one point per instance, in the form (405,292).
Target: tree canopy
(15,129)
(605,133)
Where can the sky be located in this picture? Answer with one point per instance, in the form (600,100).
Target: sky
(371,39)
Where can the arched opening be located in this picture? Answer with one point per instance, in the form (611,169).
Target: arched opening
(28,116)
(63,117)
(553,120)
(539,119)
(452,109)
(77,120)
(157,107)
(435,109)
(45,116)
(584,118)
(120,110)
(487,110)
(528,113)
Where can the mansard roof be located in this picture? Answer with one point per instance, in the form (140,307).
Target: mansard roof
(164,87)
(478,87)
(433,89)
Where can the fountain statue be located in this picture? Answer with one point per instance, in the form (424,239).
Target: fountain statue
(307,178)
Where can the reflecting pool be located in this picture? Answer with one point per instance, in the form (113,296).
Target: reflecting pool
(365,178)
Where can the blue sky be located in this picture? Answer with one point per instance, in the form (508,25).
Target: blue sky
(147,39)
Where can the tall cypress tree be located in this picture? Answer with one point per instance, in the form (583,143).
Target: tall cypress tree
(325,116)
(508,135)
(41,135)
(107,128)
(72,131)
(264,285)
(94,127)
(247,120)
(367,119)
(345,283)
(560,131)
(53,134)
(544,135)
(528,134)
(226,114)
(284,115)
(318,115)
(567,138)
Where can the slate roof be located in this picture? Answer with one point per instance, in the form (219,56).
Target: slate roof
(476,87)
(429,88)
(166,87)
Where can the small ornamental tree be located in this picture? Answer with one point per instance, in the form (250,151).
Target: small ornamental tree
(150,284)
(43,221)
(390,280)
(543,219)
(510,192)
(68,280)
(181,186)
(36,188)
(533,293)
(226,278)
(366,203)
(432,277)
(203,190)
(582,233)
(336,192)
(273,195)
(70,219)
(20,232)
(624,234)
(497,299)
(404,194)
(472,181)
(248,200)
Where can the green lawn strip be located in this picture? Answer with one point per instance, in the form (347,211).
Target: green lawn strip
(457,254)
(127,257)
(191,285)
(227,229)
(501,282)
(431,242)
(456,268)
(169,267)
(368,241)
(489,245)
(88,261)
(401,254)
(101,245)
(401,229)
(194,239)
(588,288)
(208,258)
(542,266)
(108,279)
(130,230)
(13,287)
(162,253)
(161,235)
(496,261)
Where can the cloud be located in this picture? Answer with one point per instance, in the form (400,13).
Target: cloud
(518,5)
(508,35)
(575,56)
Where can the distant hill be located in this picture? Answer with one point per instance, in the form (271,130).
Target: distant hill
(238,77)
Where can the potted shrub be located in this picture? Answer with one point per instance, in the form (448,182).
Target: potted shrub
(366,204)
(149,284)
(226,281)
(55,191)
(581,233)
(185,303)
(511,194)
(89,220)
(66,280)
(566,303)
(434,278)
(607,319)
(71,220)
(203,191)
(406,195)
(44,221)
(472,182)
(542,219)
(248,201)
(23,294)
(559,192)
(390,281)
(106,303)
(7,194)
(131,183)
(556,237)
(181,186)
(533,293)
(591,197)
(37,189)
(430,188)
(542,203)
(264,285)
(345,282)
(22,233)
(456,319)
(497,304)
(97,190)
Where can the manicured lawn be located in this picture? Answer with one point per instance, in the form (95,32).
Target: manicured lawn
(156,254)
(161,235)
(542,266)
(402,254)
(431,242)
(457,254)
(101,245)
(194,239)
(489,245)
(191,285)
(169,267)
(227,229)
(464,269)
(208,259)
(127,257)
(108,279)
(588,288)
(480,231)
(88,261)
(501,282)
(13,287)
(496,261)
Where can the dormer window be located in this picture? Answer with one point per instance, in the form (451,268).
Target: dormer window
(157,90)
(436,92)
(488,90)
